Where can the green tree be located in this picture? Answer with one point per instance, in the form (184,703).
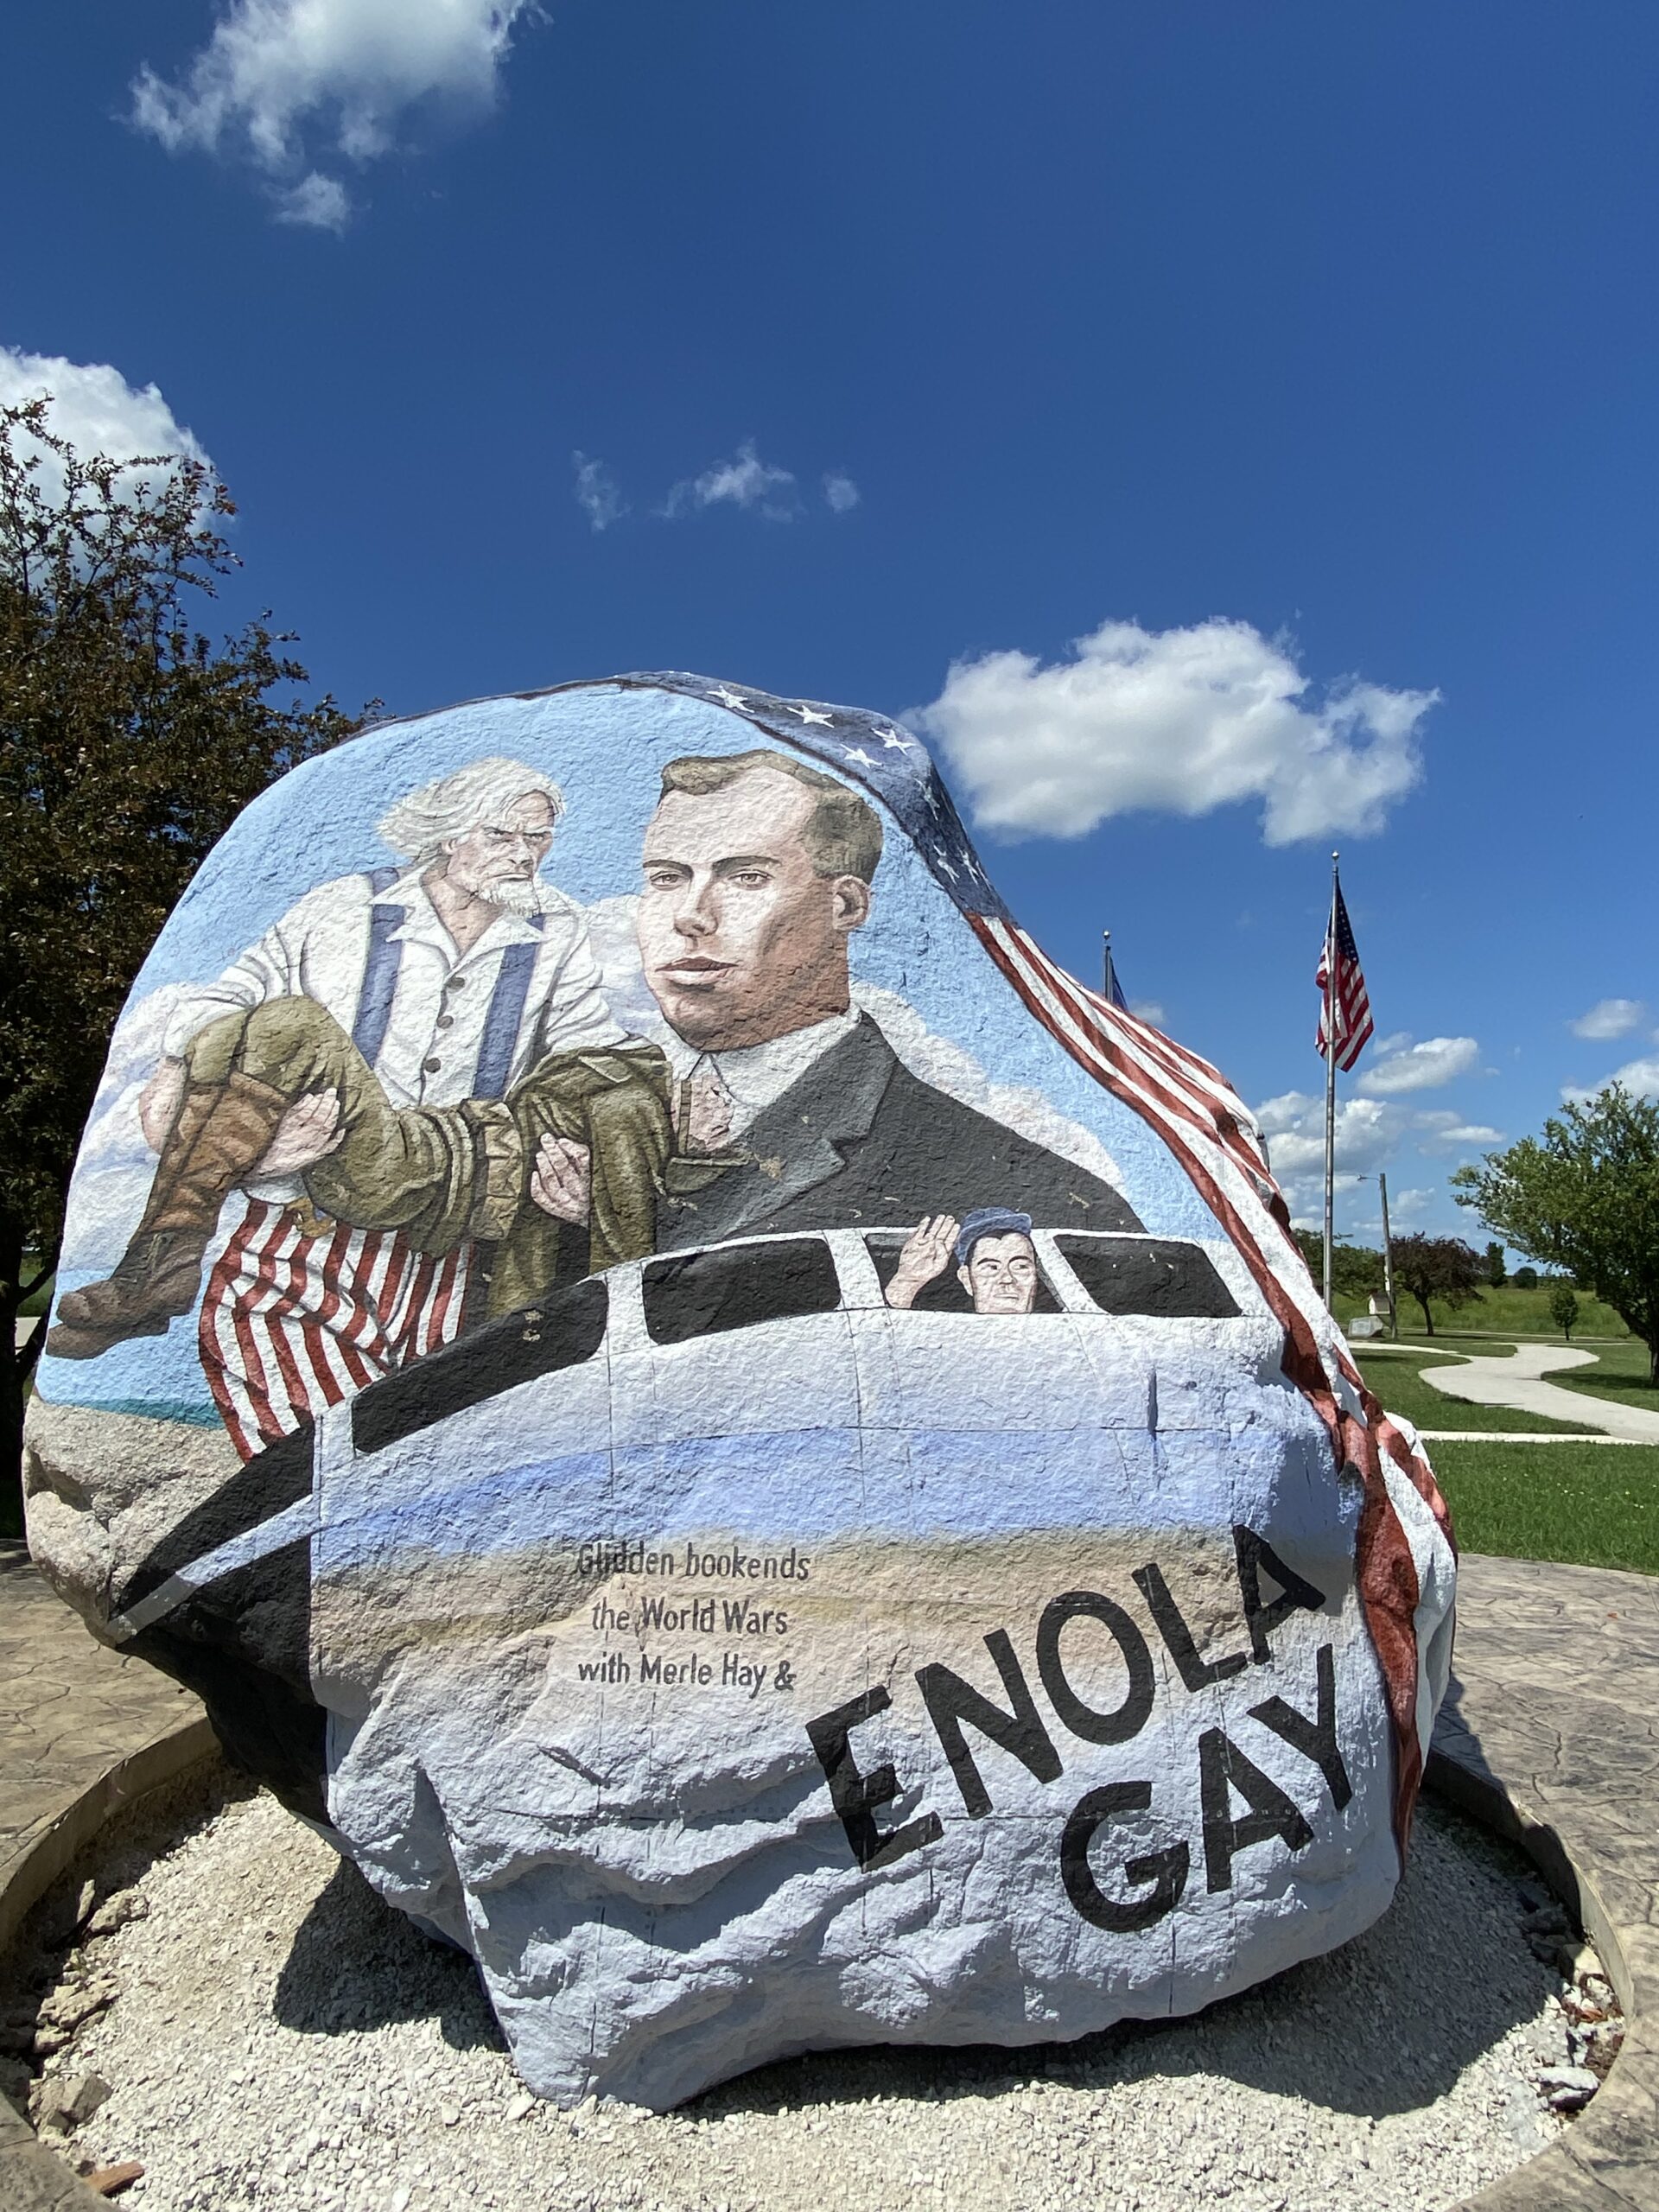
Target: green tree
(1437,1267)
(1525,1278)
(1356,1269)
(129,742)
(1584,1196)
(1495,1266)
(1563,1307)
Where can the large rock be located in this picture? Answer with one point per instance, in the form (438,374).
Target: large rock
(782,1481)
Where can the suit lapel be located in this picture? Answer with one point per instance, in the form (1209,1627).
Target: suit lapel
(796,1143)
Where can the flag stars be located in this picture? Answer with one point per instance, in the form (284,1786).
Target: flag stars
(892,738)
(857,753)
(728,699)
(810,715)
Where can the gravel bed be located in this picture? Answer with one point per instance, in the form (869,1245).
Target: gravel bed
(269,2035)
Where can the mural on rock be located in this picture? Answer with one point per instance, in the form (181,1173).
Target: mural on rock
(760,1458)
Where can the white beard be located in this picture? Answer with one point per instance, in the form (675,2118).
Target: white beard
(515,897)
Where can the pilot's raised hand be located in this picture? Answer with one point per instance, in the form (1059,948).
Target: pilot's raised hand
(309,1132)
(562,1180)
(925,1254)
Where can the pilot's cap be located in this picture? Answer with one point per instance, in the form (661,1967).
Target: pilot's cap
(989,1221)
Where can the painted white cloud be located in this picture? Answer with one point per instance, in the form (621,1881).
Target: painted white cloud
(1149,1010)
(1610,1017)
(1180,722)
(94,409)
(280,77)
(841,494)
(744,481)
(597,493)
(1422,1066)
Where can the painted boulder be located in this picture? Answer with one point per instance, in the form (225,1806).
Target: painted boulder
(757,1455)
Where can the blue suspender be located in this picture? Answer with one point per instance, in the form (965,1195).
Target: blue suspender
(506,1012)
(506,1008)
(380,970)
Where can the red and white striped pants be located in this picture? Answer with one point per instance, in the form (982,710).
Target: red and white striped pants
(291,1323)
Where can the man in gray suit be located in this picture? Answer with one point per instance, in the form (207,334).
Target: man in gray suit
(793,1110)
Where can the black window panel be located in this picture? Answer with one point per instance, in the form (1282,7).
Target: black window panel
(944,1294)
(734,1286)
(561,1331)
(1178,1282)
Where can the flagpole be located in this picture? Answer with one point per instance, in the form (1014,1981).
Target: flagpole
(1106,967)
(1330,1076)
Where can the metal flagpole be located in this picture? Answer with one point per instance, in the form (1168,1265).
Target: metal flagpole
(1330,1075)
(1106,967)
(1388,1256)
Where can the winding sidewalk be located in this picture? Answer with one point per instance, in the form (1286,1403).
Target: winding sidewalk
(1483,1379)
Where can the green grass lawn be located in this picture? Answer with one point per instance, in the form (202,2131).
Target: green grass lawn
(1588,1504)
(1503,1312)
(1620,1373)
(1396,1377)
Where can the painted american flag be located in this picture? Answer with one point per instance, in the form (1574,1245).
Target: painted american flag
(1345,1004)
(1211,1133)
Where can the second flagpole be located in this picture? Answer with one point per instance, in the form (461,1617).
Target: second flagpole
(1330,1077)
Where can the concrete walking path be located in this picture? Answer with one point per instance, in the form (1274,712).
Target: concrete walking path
(1485,1379)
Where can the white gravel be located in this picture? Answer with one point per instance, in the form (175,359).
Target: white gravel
(279,2038)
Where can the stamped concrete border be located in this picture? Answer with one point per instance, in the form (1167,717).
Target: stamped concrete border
(1549,1737)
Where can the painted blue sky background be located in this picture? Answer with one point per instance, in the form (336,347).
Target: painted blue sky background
(1304,346)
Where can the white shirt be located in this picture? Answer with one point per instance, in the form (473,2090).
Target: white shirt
(752,1076)
(446,1010)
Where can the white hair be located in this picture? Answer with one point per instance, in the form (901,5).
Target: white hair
(418,827)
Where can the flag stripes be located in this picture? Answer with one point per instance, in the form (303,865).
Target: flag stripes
(293,1321)
(1345,1006)
(1211,1133)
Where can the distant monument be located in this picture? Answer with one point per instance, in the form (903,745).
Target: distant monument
(758,1456)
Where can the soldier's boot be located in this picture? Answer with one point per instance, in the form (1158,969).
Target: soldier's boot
(222,1132)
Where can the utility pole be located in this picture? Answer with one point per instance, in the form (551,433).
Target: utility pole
(1388,1256)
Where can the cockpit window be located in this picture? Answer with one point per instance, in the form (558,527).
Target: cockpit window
(560,1331)
(944,1294)
(1178,1282)
(734,1286)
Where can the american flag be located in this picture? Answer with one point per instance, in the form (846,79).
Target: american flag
(1206,1125)
(1345,1006)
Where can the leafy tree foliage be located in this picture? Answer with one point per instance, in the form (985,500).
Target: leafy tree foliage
(1584,1196)
(1563,1306)
(1495,1266)
(129,741)
(1525,1278)
(1356,1269)
(1437,1267)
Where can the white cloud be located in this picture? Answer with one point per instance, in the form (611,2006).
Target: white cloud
(1640,1076)
(1149,1010)
(841,494)
(1181,721)
(598,494)
(1445,1131)
(276,73)
(316,203)
(1293,1124)
(1610,1018)
(745,481)
(1421,1067)
(94,409)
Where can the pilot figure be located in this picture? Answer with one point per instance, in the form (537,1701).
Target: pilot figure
(996,1261)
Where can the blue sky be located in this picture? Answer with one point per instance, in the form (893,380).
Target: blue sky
(1264,348)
